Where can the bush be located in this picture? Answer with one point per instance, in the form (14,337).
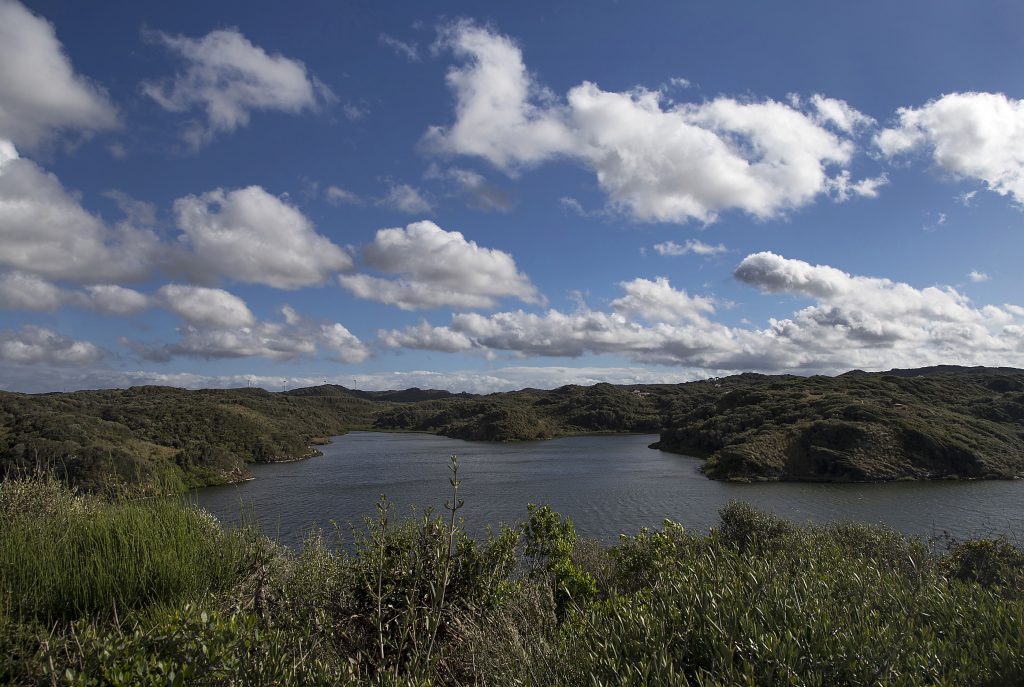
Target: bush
(748,529)
(989,563)
(152,592)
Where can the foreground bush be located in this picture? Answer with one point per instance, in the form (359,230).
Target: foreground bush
(154,592)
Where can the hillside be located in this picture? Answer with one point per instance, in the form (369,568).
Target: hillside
(865,427)
(535,414)
(931,423)
(174,437)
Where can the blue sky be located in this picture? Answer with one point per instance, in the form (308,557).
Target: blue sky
(486,197)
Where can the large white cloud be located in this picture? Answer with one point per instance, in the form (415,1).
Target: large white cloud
(115,300)
(437,267)
(657,301)
(34,345)
(974,135)
(219,324)
(252,236)
(424,336)
(496,116)
(345,346)
(228,77)
(659,161)
(20,291)
(245,234)
(855,322)
(40,93)
(45,230)
(199,305)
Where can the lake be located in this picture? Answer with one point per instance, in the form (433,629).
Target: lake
(607,484)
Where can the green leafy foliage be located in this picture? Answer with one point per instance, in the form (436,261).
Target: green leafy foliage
(548,542)
(758,601)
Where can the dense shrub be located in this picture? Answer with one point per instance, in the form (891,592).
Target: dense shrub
(153,592)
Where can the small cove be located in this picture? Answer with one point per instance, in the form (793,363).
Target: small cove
(608,484)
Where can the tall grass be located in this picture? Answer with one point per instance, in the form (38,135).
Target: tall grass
(153,592)
(64,556)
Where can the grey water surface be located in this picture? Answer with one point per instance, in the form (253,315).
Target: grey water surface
(608,485)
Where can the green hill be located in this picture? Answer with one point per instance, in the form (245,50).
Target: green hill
(930,423)
(864,427)
(178,438)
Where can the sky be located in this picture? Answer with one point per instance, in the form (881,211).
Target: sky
(490,196)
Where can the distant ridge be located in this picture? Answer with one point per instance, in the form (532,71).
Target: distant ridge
(410,395)
(951,370)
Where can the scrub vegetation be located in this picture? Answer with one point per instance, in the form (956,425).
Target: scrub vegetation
(933,423)
(104,590)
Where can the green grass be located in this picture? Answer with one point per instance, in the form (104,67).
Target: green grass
(154,592)
(64,557)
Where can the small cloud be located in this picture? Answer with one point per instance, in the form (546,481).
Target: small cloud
(843,188)
(570,204)
(337,195)
(680,82)
(977,277)
(481,194)
(354,113)
(409,51)
(118,150)
(137,212)
(966,199)
(405,198)
(689,246)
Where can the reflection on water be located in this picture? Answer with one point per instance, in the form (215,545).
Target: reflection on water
(606,484)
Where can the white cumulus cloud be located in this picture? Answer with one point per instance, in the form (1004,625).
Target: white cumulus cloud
(971,135)
(657,160)
(218,324)
(228,77)
(38,345)
(426,337)
(112,299)
(45,230)
(40,93)
(252,236)
(199,305)
(435,267)
(20,291)
(854,322)
(657,301)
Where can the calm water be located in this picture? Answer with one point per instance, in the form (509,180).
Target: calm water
(606,484)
